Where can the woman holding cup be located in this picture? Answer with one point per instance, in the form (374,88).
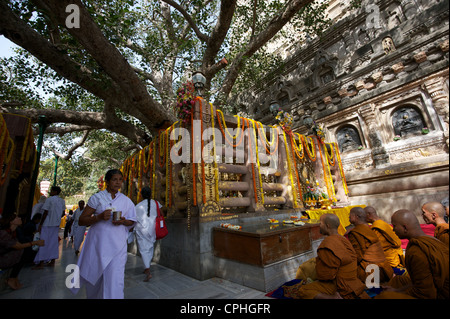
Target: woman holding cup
(102,260)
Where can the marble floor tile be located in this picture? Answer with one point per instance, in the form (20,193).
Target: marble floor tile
(50,282)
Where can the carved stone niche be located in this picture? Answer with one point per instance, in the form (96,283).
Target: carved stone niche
(407,121)
(324,68)
(348,139)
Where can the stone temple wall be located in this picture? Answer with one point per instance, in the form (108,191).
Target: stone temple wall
(378,81)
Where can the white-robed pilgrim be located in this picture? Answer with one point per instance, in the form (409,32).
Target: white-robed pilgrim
(145,230)
(55,207)
(77,230)
(102,260)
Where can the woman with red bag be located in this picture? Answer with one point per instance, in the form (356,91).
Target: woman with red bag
(146,213)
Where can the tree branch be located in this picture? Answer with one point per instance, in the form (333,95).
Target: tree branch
(275,25)
(112,61)
(93,120)
(227,9)
(118,163)
(23,35)
(72,149)
(61,130)
(203,37)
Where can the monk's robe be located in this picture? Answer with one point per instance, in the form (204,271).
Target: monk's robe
(307,271)
(392,245)
(441,233)
(335,270)
(369,251)
(427,263)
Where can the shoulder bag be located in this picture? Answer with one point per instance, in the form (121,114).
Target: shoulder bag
(160,224)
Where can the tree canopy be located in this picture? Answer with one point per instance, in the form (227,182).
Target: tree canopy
(113,66)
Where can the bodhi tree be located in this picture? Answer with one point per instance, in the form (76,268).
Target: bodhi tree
(114,66)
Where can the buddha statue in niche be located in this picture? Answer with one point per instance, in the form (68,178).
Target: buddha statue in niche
(348,139)
(407,121)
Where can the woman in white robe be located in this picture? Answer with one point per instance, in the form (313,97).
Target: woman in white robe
(77,230)
(104,254)
(145,229)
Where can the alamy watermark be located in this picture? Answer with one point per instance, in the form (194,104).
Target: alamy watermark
(373,279)
(73,19)
(373,16)
(73,279)
(212,145)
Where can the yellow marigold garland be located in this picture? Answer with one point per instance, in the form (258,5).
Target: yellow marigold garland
(216,169)
(310,151)
(299,149)
(330,155)
(194,169)
(154,170)
(327,174)
(264,140)
(225,131)
(341,170)
(258,165)
(294,192)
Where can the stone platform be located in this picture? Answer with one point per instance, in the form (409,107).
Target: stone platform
(192,251)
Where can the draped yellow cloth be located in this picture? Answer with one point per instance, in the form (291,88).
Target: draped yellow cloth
(392,245)
(342,212)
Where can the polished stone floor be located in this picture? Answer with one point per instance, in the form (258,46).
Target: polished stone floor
(50,283)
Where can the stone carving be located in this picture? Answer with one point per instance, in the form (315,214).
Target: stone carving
(414,154)
(409,8)
(407,121)
(388,45)
(323,68)
(398,67)
(420,57)
(394,17)
(444,46)
(357,162)
(348,139)
(380,157)
(440,101)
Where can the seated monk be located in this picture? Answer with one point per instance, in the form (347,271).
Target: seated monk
(433,213)
(335,268)
(426,260)
(392,245)
(367,247)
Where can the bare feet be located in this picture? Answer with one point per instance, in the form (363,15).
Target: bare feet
(14,283)
(38,266)
(147,272)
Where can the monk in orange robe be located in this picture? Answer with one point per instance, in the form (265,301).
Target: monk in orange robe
(427,262)
(335,268)
(367,247)
(392,245)
(433,213)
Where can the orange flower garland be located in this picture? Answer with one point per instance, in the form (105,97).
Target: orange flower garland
(341,170)
(265,141)
(194,170)
(224,129)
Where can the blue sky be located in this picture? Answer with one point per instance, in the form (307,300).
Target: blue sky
(6,47)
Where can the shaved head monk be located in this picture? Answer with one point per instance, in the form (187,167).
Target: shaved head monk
(426,260)
(433,213)
(335,268)
(392,245)
(367,247)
